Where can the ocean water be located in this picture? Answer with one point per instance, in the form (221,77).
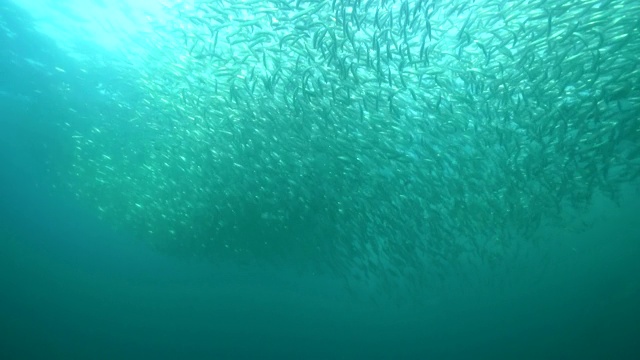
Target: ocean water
(130,228)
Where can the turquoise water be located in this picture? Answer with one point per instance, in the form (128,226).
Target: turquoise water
(366,180)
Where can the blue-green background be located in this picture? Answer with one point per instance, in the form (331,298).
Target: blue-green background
(72,287)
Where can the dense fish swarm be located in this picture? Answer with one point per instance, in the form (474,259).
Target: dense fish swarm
(386,139)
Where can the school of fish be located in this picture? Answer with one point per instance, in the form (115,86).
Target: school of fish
(382,139)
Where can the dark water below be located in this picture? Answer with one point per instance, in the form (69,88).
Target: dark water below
(74,288)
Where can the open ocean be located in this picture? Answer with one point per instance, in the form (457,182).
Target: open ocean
(288,179)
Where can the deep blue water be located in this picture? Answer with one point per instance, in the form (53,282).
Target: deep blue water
(73,287)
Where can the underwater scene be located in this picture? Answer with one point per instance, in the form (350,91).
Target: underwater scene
(309,179)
